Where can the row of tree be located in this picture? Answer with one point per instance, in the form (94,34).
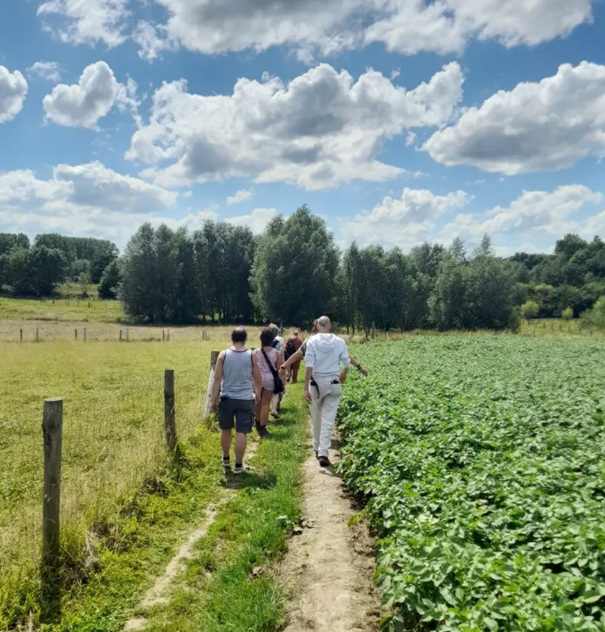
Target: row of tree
(294,272)
(36,269)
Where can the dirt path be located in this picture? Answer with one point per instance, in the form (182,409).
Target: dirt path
(161,591)
(330,567)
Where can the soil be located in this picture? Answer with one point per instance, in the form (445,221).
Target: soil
(329,568)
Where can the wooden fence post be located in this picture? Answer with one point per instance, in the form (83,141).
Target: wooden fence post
(120,335)
(21,335)
(168,335)
(85,334)
(37,335)
(127,335)
(213,358)
(52,427)
(163,335)
(76,333)
(169,410)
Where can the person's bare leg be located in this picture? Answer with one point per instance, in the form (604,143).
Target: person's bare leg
(240,447)
(226,438)
(264,407)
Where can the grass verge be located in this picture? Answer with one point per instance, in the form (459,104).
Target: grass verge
(228,585)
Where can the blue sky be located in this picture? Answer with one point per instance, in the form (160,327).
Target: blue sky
(398,121)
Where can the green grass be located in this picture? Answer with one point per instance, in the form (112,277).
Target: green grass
(112,441)
(124,506)
(218,593)
(69,309)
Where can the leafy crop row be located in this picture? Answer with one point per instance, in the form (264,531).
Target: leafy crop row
(483,462)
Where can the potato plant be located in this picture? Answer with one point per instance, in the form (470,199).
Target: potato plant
(482,460)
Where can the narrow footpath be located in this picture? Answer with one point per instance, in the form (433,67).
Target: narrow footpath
(329,568)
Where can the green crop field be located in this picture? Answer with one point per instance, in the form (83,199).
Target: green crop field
(482,460)
(112,442)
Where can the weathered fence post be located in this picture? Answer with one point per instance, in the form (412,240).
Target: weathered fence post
(163,335)
(213,358)
(120,335)
(52,428)
(21,335)
(76,334)
(168,335)
(37,335)
(127,335)
(85,334)
(169,411)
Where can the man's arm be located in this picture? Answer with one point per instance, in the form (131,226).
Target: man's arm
(216,385)
(310,363)
(308,375)
(345,362)
(358,366)
(291,360)
(258,378)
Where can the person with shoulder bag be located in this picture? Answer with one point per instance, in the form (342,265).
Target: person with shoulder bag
(268,360)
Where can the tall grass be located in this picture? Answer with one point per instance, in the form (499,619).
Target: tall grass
(112,443)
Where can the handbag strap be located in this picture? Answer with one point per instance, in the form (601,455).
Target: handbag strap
(271,367)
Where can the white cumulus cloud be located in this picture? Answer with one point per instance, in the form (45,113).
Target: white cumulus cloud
(402,222)
(321,129)
(13,89)
(240,196)
(86,21)
(256,221)
(48,70)
(82,200)
(547,125)
(532,213)
(85,103)
(315,27)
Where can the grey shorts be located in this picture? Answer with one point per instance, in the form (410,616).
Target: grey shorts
(238,413)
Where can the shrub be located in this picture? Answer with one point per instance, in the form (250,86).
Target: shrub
(530,310)
(568,314)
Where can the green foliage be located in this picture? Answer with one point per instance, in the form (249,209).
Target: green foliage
(294,272)
(567,314)
(171,276)
(530,310)
(10,242)
(84,281)
(481,460)
(79,267)
(596,316)
(99,252)
(110,281)
(36,271)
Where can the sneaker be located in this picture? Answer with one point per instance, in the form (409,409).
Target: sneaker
(241,469)
(226,462)
(324,461)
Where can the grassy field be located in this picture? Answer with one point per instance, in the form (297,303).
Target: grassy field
(113,439)
(481,459)
(61,309)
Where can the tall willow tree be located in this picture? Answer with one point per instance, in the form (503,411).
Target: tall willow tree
(295,269)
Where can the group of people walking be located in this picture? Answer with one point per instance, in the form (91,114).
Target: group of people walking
(248,383)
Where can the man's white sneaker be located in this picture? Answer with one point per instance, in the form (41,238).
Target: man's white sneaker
(240,469)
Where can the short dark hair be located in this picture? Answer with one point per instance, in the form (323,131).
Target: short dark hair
(267,336)
(239,334)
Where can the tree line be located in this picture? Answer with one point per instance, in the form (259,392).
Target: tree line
(37,269)
(295,271)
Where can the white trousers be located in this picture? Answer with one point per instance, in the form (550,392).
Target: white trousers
(326,397)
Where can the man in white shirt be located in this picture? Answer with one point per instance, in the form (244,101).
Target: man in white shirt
(327,362)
